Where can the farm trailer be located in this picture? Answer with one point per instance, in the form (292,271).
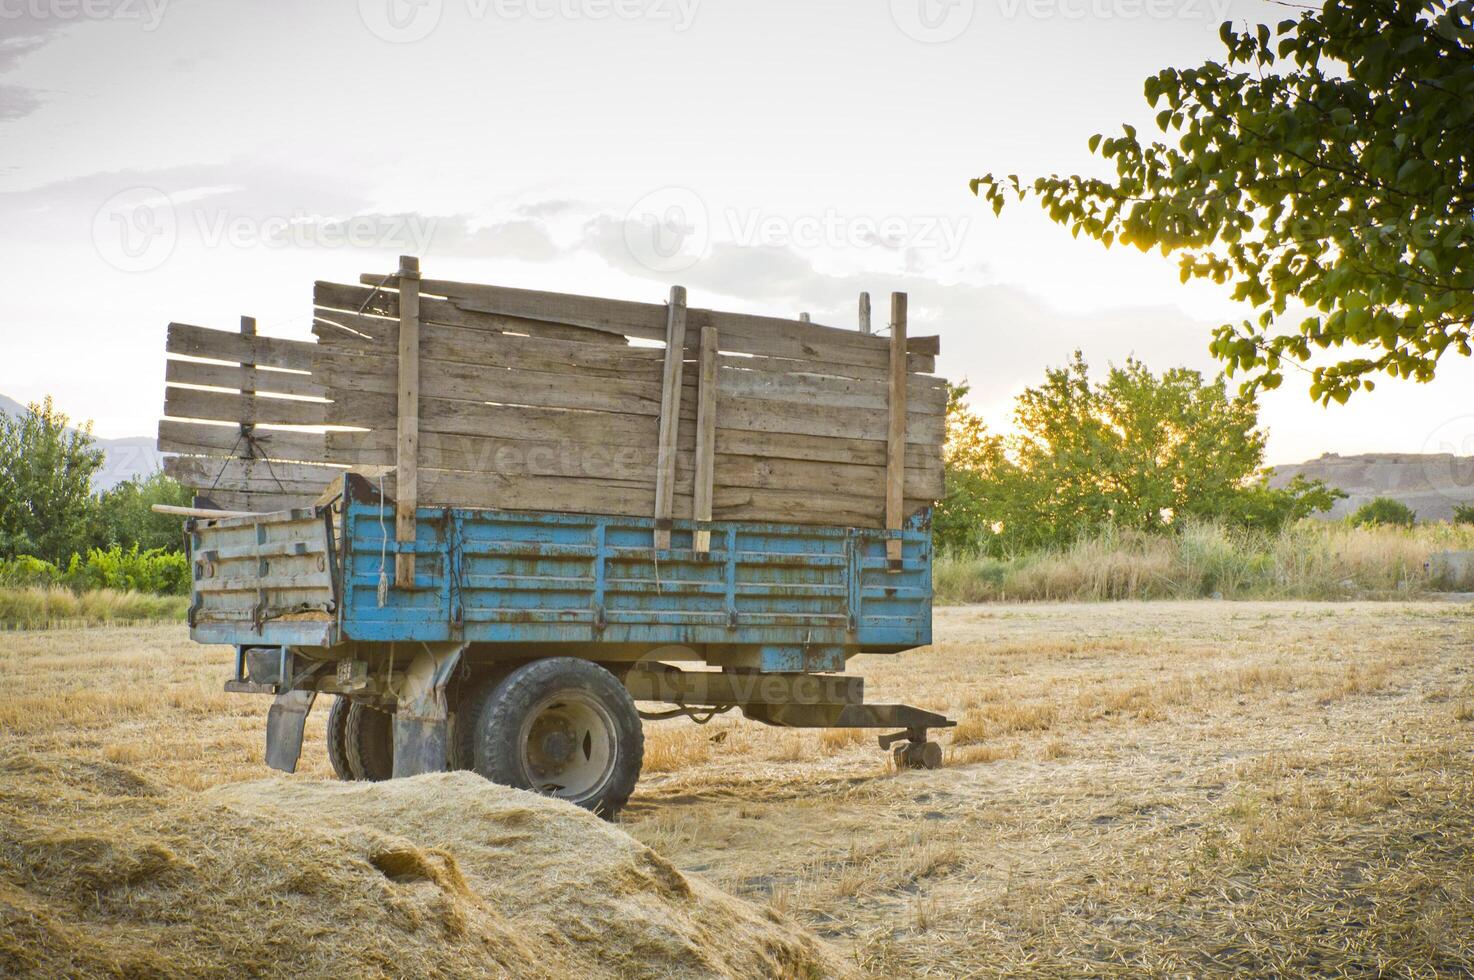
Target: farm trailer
(524,517)
(528,638)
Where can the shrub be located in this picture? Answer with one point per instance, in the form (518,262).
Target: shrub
(1464,513)
(155,571)
(28,570)
(1384,511)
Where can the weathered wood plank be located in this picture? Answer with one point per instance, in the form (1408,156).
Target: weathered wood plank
(745,333)
(202,439)
(574,388)
(258,503)
(344,304)
(783,445)
(483,348)
(603,497)
(250,475)
(670,414)
(825,392)
(407,454)
(240,378)
(706,431)
(599,459)
(194,403)
(225,345)
(895,473)
(762,415)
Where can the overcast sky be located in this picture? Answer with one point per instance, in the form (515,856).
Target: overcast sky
(196,160)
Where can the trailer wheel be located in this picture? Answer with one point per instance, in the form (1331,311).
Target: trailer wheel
(473,697)
(369,735)
(338,738)
(563,727)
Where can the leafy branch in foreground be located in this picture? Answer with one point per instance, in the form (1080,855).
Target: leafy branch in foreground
(1326,161)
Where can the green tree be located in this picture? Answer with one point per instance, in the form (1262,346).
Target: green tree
(1464,513)
(1327,162)
(46,473)
(973,459)
(1262,507)
(125,517)
(1384,510)
(1137,450)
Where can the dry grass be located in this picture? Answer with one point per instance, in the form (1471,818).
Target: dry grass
(49,607)
(1312,560)
(1175,788)
(107,873)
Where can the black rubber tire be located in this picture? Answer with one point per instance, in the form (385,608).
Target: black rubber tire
(466,714)
(509,707)
(369,735)
(338,738)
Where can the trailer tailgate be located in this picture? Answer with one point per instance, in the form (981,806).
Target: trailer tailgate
(268,579)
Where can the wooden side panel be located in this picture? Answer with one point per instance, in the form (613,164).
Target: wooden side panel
(534,400)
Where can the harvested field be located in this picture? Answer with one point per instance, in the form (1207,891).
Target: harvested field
(1169,788)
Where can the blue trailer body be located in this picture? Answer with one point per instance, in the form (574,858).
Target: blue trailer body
(785,597)
(803,597)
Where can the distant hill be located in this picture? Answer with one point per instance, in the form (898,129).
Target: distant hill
(122,459)
(1430,483)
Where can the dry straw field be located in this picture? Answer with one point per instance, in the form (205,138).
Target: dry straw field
(1135,788)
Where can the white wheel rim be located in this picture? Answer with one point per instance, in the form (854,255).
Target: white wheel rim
(567,746)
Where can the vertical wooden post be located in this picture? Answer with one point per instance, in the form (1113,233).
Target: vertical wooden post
(670,414)
(895,456)
(864,312)
(248,429)
(407,472)
(706,431)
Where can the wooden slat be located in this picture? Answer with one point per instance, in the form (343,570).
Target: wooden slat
(740,332)
(706,431)
(782,445)
(482,348)
(258,503)
(381,327)
(192,403)
(250,475)
(224,345)
(670,414)
(240,378)
(202,439)
(407,454)
(640,319)
(605,497)
(576,388)
(824,392)
(895,472)
(599,459)
(762,415)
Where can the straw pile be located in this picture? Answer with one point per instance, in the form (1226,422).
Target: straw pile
(103,872)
